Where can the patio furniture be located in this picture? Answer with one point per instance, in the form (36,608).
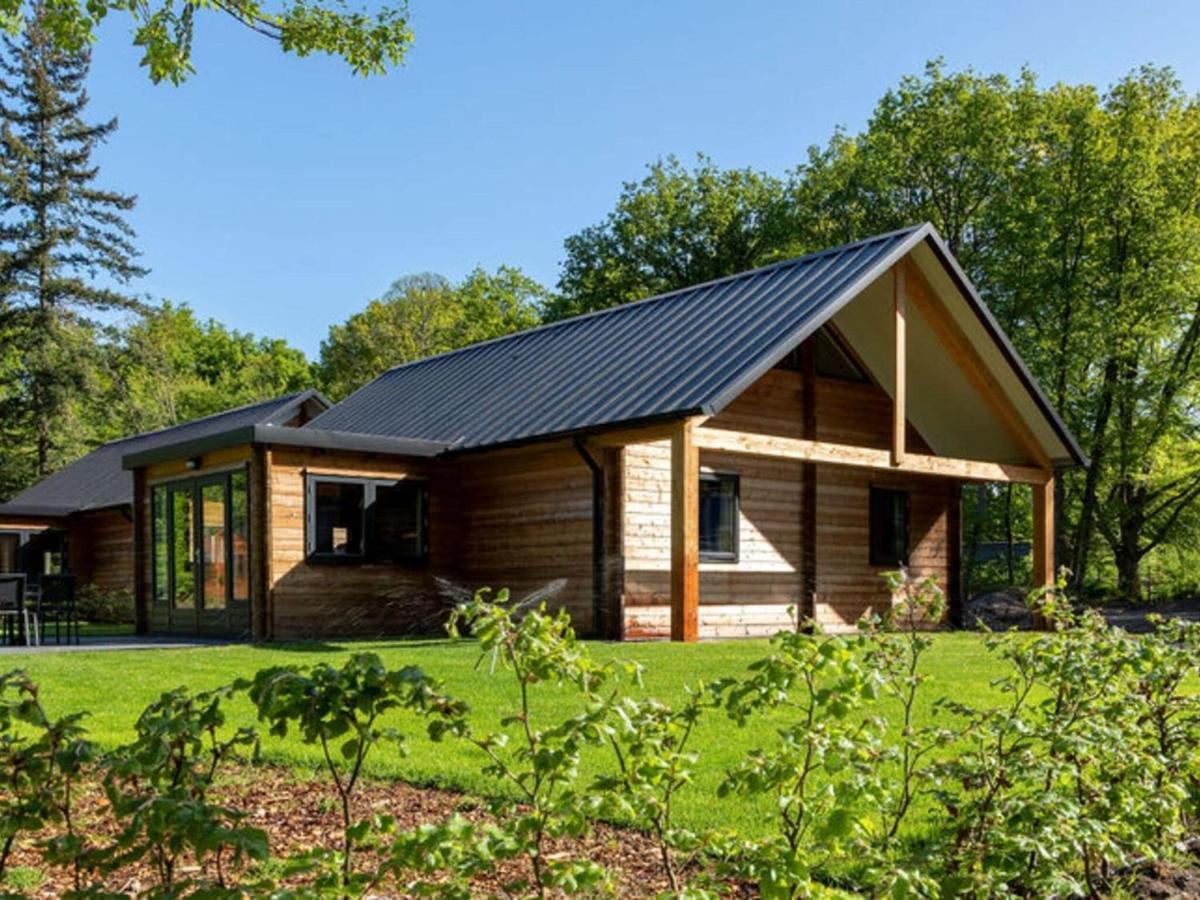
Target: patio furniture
(20,622)
(56,603)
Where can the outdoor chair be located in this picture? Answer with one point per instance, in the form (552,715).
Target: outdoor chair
(56,603)
(20,623)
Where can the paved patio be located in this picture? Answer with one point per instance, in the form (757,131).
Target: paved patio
(123,642)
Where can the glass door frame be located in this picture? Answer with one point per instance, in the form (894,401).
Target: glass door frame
(190,619)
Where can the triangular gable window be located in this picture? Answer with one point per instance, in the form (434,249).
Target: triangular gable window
(833,359)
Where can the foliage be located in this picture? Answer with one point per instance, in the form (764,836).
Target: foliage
(369,42)
(95,604)
(1080,765)
(62,238)
(539,650)
(39,768)
(674,228)
(821,771)
(158,786)
(650,742)
(168,367)
(421,315)
(340,709)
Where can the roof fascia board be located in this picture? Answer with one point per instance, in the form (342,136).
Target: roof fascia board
(325,439)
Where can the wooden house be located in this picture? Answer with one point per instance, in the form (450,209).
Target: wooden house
(715,461)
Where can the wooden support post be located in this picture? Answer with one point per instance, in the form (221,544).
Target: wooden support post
(685,534)
(142,516)
(899,414)
(1044,575)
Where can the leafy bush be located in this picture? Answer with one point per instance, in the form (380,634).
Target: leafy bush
(340,711)
(539,650)
(95,604)
(1085,767)
(158,785)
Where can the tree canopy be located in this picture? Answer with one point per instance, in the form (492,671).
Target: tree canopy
(368,41)
(420,315)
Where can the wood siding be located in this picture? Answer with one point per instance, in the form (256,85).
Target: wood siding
(100,547)
(763,590)
(527,526)
(308,599)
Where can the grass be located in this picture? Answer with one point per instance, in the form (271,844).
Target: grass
(115,686)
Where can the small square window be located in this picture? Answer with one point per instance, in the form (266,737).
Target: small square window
(337,518)
(718,517)
(889,527)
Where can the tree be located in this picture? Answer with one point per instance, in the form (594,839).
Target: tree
(66,251)
(421,315)
(1076,215)
(367,41)
(167,367)
(676,227)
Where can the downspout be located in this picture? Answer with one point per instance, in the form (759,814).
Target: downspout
(599,612)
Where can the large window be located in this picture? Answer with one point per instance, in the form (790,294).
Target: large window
(718,517)
(200,543)
(889,527)
(361,520)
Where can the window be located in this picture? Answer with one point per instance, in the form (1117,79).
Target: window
(718,517)
(338,511)
(363,520)
(834,360)
(889,527)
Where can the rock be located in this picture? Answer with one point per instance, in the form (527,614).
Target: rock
(999,611)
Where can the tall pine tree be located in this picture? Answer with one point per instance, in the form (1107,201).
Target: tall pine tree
(66,250)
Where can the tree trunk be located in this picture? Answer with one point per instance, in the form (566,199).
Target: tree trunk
(1085,527)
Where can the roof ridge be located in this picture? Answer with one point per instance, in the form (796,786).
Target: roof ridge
(548,326)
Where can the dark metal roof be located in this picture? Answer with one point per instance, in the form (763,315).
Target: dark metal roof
(687,352)
(98,480)
(289,437)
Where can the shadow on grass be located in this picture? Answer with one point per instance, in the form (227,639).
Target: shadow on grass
(350,645)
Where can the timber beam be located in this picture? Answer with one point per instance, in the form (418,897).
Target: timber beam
(685,533)
(866,457)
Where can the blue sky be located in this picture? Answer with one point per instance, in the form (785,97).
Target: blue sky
(279,195)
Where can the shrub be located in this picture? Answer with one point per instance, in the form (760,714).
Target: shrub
(340,711)
(95,604)
(541,766)
(158,786)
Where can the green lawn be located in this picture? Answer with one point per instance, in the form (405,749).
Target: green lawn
(114,686)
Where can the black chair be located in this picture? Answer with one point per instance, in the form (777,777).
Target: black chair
(15,612)
(56,603)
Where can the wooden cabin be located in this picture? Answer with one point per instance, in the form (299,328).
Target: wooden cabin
(723,460)
(79,520)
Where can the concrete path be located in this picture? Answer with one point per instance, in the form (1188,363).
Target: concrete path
(124,642)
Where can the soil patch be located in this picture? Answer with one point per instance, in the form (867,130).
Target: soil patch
(299,812)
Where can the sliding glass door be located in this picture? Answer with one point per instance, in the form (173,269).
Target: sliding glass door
(200,549)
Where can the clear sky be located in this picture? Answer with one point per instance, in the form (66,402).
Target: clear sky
(279,195)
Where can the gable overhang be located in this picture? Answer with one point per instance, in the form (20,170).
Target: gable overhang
(930,253)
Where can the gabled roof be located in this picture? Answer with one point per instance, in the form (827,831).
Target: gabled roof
(98,480)
(687,352)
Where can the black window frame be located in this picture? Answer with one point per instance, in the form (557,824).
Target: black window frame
(876,513)
(722,556)
(371,552)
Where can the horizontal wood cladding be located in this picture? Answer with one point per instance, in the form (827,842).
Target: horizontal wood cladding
(753,595)
(100,545)
(527,525)
(847,584)
(310,600)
